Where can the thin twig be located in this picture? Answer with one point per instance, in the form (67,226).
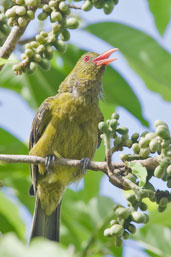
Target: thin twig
(150,164)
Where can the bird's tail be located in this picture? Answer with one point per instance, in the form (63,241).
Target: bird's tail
(45,226)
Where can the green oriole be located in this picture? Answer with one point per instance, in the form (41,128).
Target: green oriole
(65,126)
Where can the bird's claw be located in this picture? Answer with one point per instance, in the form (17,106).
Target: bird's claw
(48,160)
(84,163)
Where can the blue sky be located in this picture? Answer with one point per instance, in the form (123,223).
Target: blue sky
(13,110)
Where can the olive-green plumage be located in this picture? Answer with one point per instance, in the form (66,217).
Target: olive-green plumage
(66,126)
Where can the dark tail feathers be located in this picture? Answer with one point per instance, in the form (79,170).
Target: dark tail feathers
(45,226)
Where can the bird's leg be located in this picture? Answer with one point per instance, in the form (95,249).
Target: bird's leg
(84,164)
(48,160)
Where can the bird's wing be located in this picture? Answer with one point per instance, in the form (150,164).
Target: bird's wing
(99,132)
(40,122)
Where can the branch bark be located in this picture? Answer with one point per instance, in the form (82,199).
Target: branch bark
(11,41)
(150,164)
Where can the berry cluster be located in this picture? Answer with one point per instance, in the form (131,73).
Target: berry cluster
(156,145)
(4,28)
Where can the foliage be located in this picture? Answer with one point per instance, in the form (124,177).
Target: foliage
(85,214)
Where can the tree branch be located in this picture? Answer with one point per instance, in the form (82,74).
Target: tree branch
(150,164)
(11,41)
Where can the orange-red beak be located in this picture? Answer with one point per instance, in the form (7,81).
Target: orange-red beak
(102,59)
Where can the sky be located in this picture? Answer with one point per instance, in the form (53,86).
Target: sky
(13,110)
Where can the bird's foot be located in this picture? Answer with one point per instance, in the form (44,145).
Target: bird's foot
(48,161)
(84,164)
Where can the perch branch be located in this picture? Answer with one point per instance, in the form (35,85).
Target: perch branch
(149,163)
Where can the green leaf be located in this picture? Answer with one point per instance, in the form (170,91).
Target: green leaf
(156,239)
(87,222)
(10,218)
(16,176)
(161,11)
(10,246)
(4,61)
(139,171)
(148,59)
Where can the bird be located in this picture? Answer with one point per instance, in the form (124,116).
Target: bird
(65,126)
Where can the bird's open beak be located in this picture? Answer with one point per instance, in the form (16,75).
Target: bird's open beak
(102,59)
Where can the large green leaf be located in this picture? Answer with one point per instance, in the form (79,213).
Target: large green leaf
(151,62)
(161,10)
(33,88)
(84,226)
(10,218)
(10,246)
(16,176)
(156,239)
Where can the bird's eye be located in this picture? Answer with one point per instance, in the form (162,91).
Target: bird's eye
(86,58)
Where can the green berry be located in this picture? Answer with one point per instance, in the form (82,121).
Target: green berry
(44,64)
(17,66)
(103,127)
(10,13)
(42,16)
(33,66)
(87,5)
(63,6)
(20,10)
(65,35)
(107,232)
(144,152)
(131,198)
(112,222)
(37,57)
(138,217)
(161,209)
(143,206)
(131,228)
(122,212)
(40,39)
(143,143)
(30,14)
(154,145)
(49,52)
(159,122)
(122,130)
(163,132)
(31,3)
(108,6)
(115,115)
(169,170)
(72,23)
(134,137)
(56,16)
(117,141)
(163,202)
(29,53)
(46,8)
(22,21)
(53,3)
(98,4)
(34,44)
(56,27)
(144,133)
(136,148)
(40,48)
(125,235)
(159,172)
(169,183)
(116,230)
(124,157)
(113,124)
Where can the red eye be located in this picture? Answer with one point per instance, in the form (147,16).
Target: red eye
(86,58)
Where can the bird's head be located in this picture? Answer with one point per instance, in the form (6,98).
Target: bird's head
(92,65)
(85,78)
